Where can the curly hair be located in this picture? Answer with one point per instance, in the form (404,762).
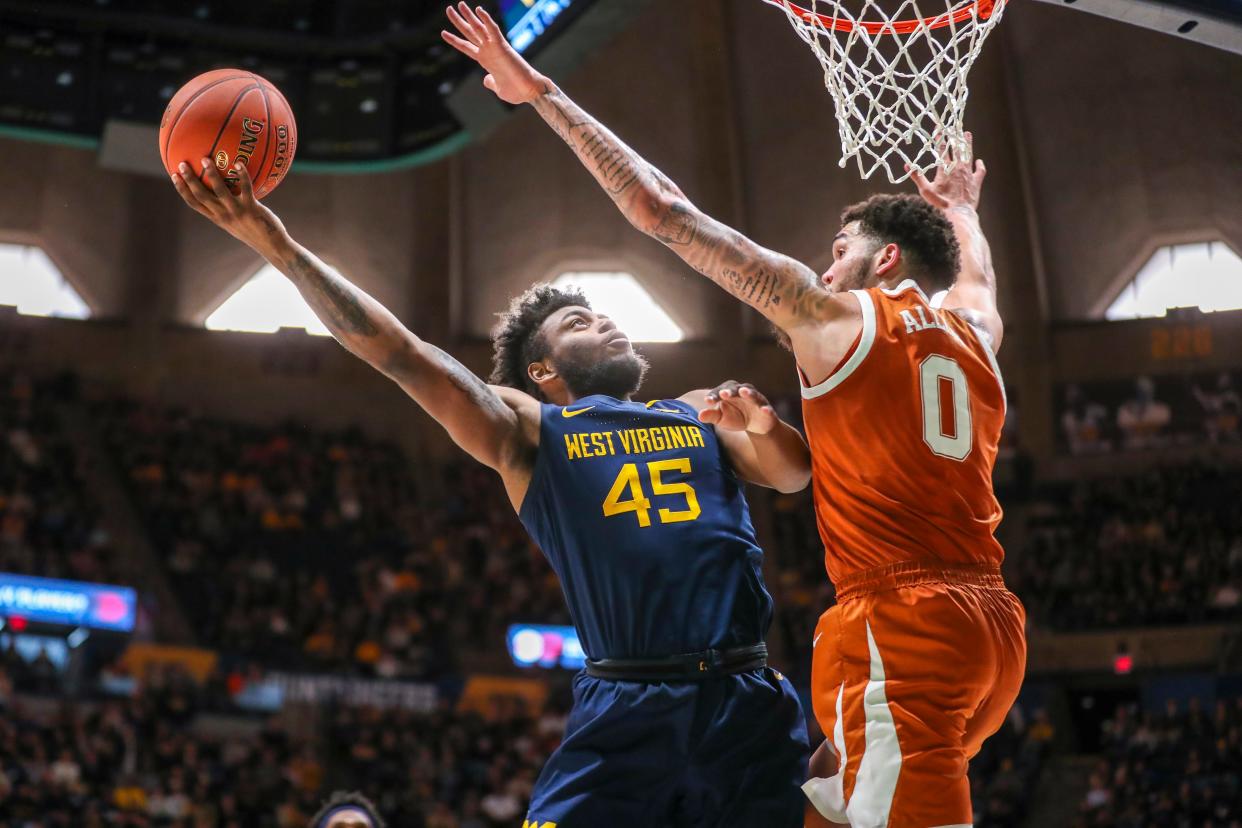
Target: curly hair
(517,340)
(921,231)
(347,799)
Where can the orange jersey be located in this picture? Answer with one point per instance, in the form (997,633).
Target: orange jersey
(903,436)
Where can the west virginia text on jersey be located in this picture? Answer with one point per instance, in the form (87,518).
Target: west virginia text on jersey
(645,522)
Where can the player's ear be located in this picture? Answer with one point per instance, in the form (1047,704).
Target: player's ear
(540,372)
(887,258)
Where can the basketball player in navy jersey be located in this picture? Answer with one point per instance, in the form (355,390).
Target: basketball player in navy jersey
(677,719)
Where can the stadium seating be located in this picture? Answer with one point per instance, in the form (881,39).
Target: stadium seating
(48,524)
(1161,548)
(324,551)
(1179,767)
(151,761)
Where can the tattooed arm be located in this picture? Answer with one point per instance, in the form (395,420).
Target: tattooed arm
(785,291)
(474,415)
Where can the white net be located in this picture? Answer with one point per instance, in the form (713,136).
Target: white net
(897,76)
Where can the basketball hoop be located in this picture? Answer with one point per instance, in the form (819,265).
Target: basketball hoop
(897,79)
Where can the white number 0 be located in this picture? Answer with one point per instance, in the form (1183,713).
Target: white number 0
(955,441)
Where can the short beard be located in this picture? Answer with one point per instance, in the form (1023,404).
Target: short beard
(618,377)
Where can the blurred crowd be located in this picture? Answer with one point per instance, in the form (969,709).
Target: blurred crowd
(1160,548)
(1181,768)
(446,770)
(797,580)
(48,525)
(323,549)
(153,760)
(1004,774)
(1150,413)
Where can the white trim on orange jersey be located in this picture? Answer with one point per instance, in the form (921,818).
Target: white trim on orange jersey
(860,353)
(828,795)
(905,285)
(991,355)
(876,784)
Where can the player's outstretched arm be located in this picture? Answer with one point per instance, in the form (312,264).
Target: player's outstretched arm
(476,418)
(763,449)
(784,290)
(956,194)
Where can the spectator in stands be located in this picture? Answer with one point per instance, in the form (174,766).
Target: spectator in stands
(1222,410)
(1143,419)
(1083,423)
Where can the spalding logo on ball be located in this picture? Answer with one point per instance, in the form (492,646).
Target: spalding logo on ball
(231,115)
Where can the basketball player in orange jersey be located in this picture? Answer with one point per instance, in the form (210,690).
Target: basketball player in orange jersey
(923,655)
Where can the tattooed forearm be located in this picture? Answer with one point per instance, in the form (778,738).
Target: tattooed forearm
(780,288)
(467,382)
(333,299)
(617,168)
(677,226)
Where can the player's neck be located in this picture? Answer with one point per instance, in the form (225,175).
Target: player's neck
(571,399)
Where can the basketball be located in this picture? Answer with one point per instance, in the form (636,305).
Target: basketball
(231,115)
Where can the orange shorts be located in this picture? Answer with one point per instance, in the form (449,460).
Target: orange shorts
(913,668)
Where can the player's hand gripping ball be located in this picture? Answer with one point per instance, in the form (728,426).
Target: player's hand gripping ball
(231,116)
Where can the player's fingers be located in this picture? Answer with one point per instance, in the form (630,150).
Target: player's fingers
(462,25)
(472,15)
(188,197)
(245,186)
(981,170)
(196,187)
(710,415)
(216,184)
(920,180)
(490,82)
(754,395)
(464,46)
(489,23)
(484,29)
(472,22)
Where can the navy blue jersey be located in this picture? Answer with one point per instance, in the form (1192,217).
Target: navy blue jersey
(642,517)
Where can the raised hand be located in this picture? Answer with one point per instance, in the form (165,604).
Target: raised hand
(242,215)
(512,79)
(961,187)
(738,406)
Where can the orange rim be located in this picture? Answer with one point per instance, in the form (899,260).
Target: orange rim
(963,11)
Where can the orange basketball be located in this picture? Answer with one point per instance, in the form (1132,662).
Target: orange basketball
(230,115)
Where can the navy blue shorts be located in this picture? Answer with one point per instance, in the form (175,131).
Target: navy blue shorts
(725,752)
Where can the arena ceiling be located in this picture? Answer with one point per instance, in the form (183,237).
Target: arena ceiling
(370,79)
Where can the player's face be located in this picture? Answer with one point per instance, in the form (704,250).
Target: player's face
(853,260)
(591,355)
